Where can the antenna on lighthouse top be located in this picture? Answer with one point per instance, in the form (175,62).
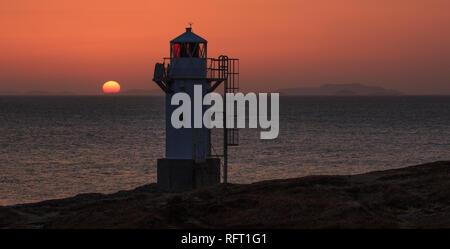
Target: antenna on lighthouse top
(190,27)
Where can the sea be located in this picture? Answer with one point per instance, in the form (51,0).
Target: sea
(60,146)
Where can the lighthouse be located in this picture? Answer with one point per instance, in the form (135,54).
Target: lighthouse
(189,162)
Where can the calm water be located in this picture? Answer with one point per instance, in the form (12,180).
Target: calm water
(53,147)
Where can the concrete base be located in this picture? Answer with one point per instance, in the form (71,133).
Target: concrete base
(177,175)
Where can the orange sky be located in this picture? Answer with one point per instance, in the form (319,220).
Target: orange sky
(54,45)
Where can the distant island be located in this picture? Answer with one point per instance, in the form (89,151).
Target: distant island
(353,89)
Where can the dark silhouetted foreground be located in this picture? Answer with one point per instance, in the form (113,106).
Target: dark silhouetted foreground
(416,196)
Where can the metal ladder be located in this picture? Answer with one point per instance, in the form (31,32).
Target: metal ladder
(229,71)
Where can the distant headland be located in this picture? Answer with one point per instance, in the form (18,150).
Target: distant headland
(153,92)
(131,92)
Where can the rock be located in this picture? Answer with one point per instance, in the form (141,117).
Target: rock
(415,196)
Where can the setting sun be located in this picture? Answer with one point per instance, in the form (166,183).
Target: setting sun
(111,87)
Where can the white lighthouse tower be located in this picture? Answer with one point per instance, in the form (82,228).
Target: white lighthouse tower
(187,69)
(189,162)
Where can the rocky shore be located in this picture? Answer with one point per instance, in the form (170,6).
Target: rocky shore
(411,197)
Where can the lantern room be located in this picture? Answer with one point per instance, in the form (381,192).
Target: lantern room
(188,45)
(188,56)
